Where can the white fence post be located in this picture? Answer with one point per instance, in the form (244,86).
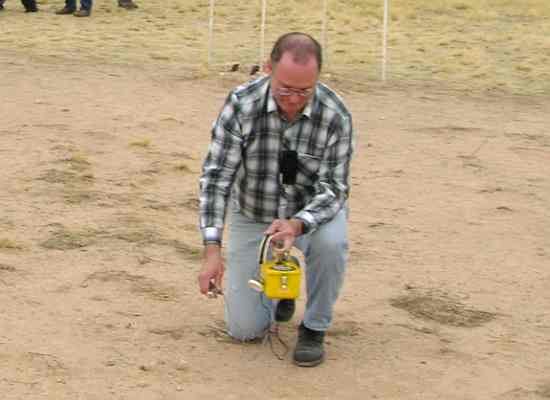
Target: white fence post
(385,40)
(211,31)
(262,35)
(324,31)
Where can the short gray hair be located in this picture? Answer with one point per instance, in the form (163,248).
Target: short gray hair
(301,45)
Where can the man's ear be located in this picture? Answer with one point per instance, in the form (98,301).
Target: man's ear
(268,67)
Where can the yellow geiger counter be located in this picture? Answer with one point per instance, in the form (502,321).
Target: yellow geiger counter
(279,278)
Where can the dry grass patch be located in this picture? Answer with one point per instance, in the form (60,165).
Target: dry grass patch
(544,391)
(192,204)
(345,329)
(441,309)
(188,251)
(158,206)
(75,185)
(143,143)
(146,236)
(6,223)
(136,230)
(76,196)
(174,333)
(76,178)
(64,239)
(138,284)
(8,244)
(7,268)
(58,176)
(78,161)
(66,177)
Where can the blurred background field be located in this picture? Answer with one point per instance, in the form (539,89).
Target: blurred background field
(497,46)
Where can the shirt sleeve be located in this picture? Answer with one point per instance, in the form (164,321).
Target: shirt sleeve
(332,188)
(219,168)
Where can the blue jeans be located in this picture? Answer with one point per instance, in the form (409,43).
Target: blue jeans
(249,314)
(85,4)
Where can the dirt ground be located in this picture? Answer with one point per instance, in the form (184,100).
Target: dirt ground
(447,291)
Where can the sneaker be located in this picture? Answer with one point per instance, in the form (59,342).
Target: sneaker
(65,11)
(309,350)
(127,4)
(31,9)
(82,13)
(285,310)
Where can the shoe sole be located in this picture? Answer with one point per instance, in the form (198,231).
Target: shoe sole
(309,364)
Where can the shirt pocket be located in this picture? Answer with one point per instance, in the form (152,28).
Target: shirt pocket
(308,169)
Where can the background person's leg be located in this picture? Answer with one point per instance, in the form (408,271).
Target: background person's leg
(248,313)
(86,5)
(70,7)
(30,5)
(326,255)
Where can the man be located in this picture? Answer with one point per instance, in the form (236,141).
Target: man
(30,5)
(279,157)
(127,4)
(86,7)
(70,8)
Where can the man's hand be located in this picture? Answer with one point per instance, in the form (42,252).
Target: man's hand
(284,231)
(211,275)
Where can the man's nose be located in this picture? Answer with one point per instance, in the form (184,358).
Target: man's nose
(294,98)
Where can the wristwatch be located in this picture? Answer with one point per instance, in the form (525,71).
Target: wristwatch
(207,242)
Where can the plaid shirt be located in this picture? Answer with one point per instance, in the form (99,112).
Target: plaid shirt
(243,159)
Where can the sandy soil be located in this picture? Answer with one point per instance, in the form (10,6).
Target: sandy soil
(448,286)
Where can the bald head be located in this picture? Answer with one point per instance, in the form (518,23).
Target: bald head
(301,46)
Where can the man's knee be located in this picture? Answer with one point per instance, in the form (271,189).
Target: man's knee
(247,319)
(245,330)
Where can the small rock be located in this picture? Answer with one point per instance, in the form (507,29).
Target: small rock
(147,367)
(182,365)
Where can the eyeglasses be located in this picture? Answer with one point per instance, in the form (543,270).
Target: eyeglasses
(287,92)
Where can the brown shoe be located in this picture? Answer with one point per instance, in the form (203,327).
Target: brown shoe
(82,13)
(127,4)
(65,11)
